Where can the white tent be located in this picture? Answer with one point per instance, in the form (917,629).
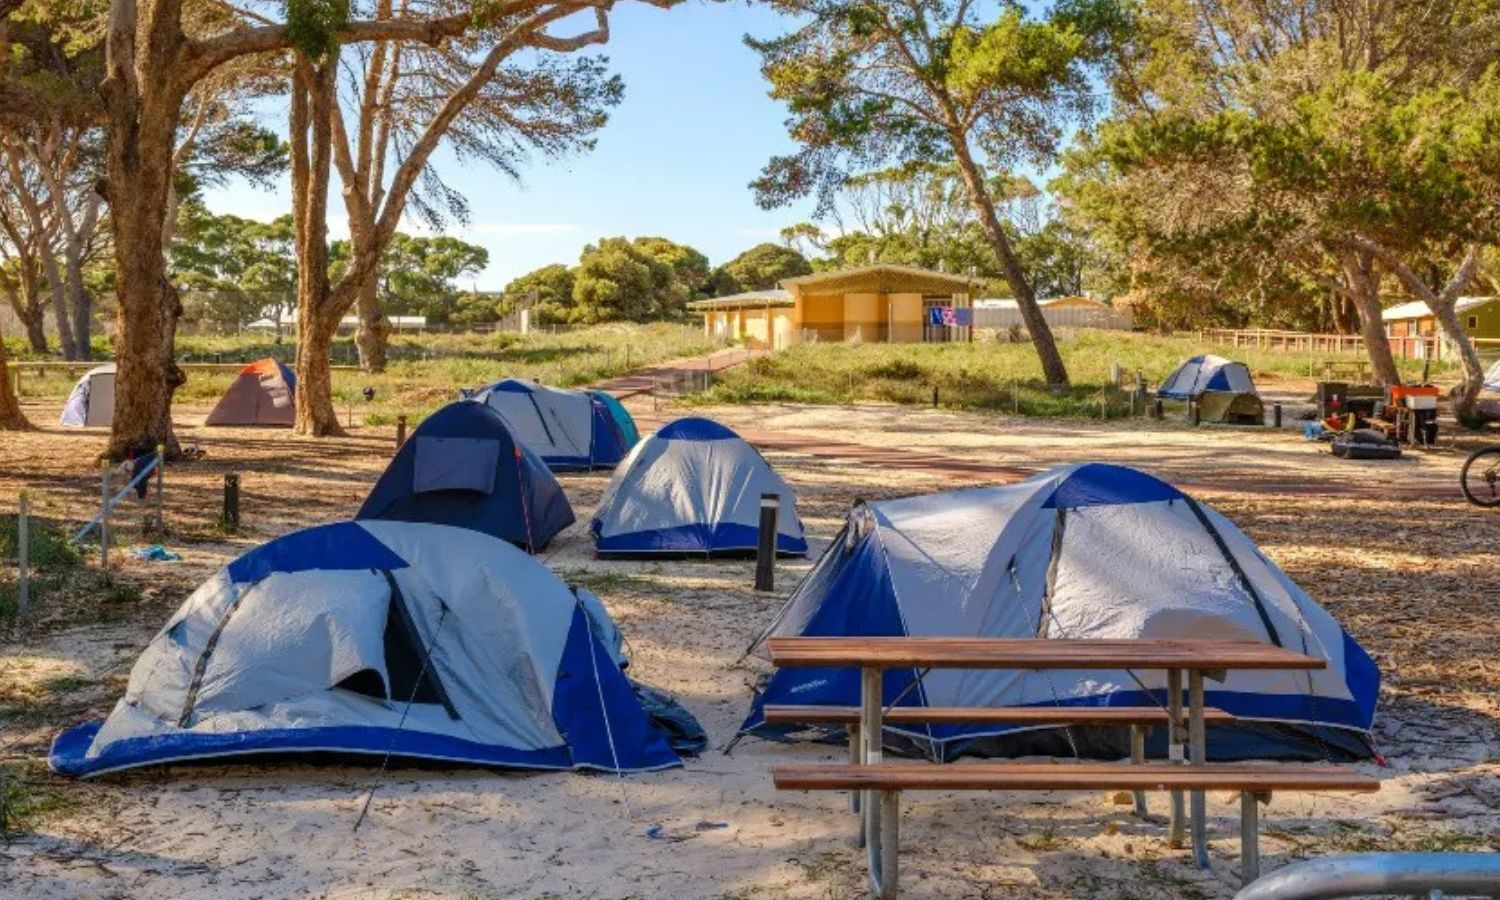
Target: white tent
(1492,377)
(92,402)
(693,487)
(1207,373)
(376,637)
(567,429)
(1084,551)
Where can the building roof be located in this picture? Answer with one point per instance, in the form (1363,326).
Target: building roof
(882,279)
(748,300)
(1417,309)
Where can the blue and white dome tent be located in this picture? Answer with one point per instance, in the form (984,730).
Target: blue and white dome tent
(368,638)
(569,430)
(92,401)
(1206,373)
(629,434)
(463,467)
(1084,551)
(693,488)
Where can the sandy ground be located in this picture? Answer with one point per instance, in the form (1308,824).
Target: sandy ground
(1408,569)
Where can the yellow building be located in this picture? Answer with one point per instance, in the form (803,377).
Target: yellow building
(882,303)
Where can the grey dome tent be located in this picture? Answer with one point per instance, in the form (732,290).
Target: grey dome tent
(418,640)
(92,402)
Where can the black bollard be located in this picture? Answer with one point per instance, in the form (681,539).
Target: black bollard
(1193,417)
(765,547)
(400,430)
(934,395)
(230,518)
(1276,415)
(1157,411)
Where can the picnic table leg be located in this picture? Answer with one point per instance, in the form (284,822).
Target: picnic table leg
(870,729)
(1198,746)
(885,867)
(855,751)
(1174,752)
(1138,757)
(1249,838)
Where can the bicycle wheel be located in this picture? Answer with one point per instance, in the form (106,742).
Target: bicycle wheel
(1480,478)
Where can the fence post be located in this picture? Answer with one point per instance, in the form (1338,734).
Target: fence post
(23,551)
(161,464)
(1276,415)
(765,548)
(934,396)
(229,518)
(1193,414)
(400,430)
(104,513)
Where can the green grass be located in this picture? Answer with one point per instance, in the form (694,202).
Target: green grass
(29,794)
(427,371)
(990,375)
(51,559)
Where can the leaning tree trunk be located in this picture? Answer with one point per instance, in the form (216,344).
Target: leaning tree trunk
(1053,368)
(1466,394)
(82,304)
(141,134)
(374,329)
(11,417)
(36,328)
(57,286)
(1364,286)
(318,310)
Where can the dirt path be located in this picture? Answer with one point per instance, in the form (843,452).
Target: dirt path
(643,381)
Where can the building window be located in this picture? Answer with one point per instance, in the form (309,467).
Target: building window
(1473,322)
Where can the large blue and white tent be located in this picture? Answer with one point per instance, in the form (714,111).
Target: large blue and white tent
(694,487)
(372,638)
(1207,373)
(463,467)
(569,430)
(1084,551)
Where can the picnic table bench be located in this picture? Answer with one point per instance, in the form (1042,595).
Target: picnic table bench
(879,784)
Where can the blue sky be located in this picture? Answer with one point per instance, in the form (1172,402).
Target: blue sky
(694,128)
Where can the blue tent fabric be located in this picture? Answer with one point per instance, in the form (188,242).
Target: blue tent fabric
(1085,551)
(1206,373)
(263,659)
(629,434)
(525,505)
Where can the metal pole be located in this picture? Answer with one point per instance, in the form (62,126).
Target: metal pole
(1249,838)
(161,465)
(765,549)
(23,552)
(1138,757)
(1174,752)
(872,731)
(104,514)
(1198,749)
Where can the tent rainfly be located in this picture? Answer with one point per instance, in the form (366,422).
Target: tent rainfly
(622,418)
(1207,373)
(260,395)
(1083,551)
(694,487)
(569,430)
(92,401)
(1492,377)
(368,638)
(463,467)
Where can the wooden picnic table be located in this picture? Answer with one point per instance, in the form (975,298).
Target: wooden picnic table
(1198,658)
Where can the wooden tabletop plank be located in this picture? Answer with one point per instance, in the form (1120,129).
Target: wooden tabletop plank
(1032,653)
(1005,776)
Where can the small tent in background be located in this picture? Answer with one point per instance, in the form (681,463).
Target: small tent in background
(622,418)
(569,430)
(1492,377)
(1084,551)
(693,488)
(1207,373)
(421,641)
(260,395)
(92,402)
(462,466)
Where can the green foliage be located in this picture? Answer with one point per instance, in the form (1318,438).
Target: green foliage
(232,270)
(548,291)
(418,276)
(760,268)
(620,280)
(312,25)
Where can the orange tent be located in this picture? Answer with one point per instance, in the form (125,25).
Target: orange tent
(260,395)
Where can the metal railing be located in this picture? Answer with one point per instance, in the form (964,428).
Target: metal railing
(1429,875)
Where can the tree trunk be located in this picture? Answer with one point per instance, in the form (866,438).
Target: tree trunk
(374,329)
(58,288)
(139,164)
(82,303)
(1053,368)
(313,88)
(36,329)
(11,417)
(1466,394)
(1364,288)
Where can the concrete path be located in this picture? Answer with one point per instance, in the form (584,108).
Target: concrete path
(645,380)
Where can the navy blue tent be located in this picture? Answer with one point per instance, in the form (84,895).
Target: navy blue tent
(462,467)
(569,430)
